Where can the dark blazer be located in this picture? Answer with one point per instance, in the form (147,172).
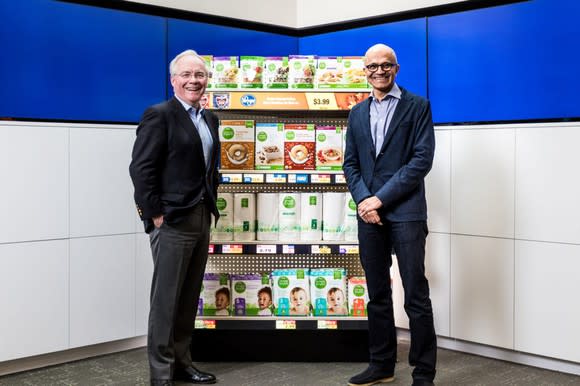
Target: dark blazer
(168,167)
(396,175)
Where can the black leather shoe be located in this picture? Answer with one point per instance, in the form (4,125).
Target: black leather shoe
(161,382)
(372,376)
(193,375)
(422,382)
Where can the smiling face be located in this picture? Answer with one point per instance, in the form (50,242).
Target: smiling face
(221,301)
(189,79)
(264,300)
(381,80)
(335,298)
(298,298)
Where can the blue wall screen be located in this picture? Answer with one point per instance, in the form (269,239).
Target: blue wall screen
(73,62)
(408,38)
(512,62)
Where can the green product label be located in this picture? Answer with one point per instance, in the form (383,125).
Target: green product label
(265,279)
(322,65)
(245,202)
(233,61)
(280,127)
(310,127)
(321,137)
(320,282)
(289,202)
(219,67)
(228,133)
(300,274)
(223,279)
(312,200)
(240,287)
(221,203)
(290,135)
(262,136)
(314,224)
(358,290)
(283,282)
(249,124)
(351,204)
(346,63)
(297,65)
(271,67)
(337,275)
(246,226)
(246,67)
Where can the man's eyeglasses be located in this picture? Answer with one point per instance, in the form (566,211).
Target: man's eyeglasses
(188,75)
(373,67)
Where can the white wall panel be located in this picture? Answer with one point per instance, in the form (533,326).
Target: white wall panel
(482,290)
(438,185)
(547,315)
(547,187)
(33,298)
(143,276)
(437,268)
(34,177)
(101,192)
(482,182)
(102,289)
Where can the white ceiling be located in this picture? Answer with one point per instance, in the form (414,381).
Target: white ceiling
(297,13)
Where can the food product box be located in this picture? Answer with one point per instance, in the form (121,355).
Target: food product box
(358,296)
(276,72)
(225,72)
(237,143)
(302,69)
(208,60)
(252,71)
(329,72)
(215,296)
(252,295)
(269,146)
(299,146)
(291,292)
(353,69)
(329,150)
(328,291)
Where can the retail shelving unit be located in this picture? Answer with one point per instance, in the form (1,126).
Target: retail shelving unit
(282,338)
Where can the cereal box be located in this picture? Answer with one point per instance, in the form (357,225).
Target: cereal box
(329,151)
(299,146)
(302,69)
(237,143)
(329,72)
(276,72)
(291,292)
(215,297)
(358,296)
(225,72)
(328,291)
(269,146)
(252,71)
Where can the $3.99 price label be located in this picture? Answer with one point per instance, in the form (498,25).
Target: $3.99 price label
(321,101)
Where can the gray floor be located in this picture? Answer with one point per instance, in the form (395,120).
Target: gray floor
(130,368)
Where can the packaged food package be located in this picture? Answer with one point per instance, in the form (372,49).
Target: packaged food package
(289,216)
(328,291)
(252,294)
(267,217)
(244,216)
(299,146)
(310,216)
(329,72)
(276,72)
(333,216)
(358,296)
(329,150)
(252,71)
(291,289)
(225,72)
(224,229)
(353,70)
(350,220)
(208,60)
(237,144)
(269,146)
(302,69)
(215,296)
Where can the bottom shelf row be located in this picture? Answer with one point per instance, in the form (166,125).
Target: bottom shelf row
(278,323)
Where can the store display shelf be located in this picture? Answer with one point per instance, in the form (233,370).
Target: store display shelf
(281,323)
(273,248)
(282,177)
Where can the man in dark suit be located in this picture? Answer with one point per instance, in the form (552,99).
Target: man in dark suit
(390,144)
(175,175)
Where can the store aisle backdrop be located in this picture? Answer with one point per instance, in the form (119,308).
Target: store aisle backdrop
(504,250)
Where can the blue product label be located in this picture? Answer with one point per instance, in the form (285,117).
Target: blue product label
(248,100)
(320,307)
(283,307)
(301,178)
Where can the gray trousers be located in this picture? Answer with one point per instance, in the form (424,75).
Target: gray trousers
(179,257)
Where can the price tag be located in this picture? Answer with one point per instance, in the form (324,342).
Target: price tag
(291,178)
(320,249)
(207,324)
(285,324)
(266,249)
(232,248)
(276,178)
(321,101)
(253,178)
(339,179)
(232,178)
(320,178)
(327,325)
(287,248)
(211,249)
(348,249)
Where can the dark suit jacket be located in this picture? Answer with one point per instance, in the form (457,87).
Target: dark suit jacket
(168,167)
(396,175)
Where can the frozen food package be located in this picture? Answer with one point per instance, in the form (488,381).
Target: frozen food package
(225,72)
(329,72)
(252,71)
(302,69)
(276,72)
